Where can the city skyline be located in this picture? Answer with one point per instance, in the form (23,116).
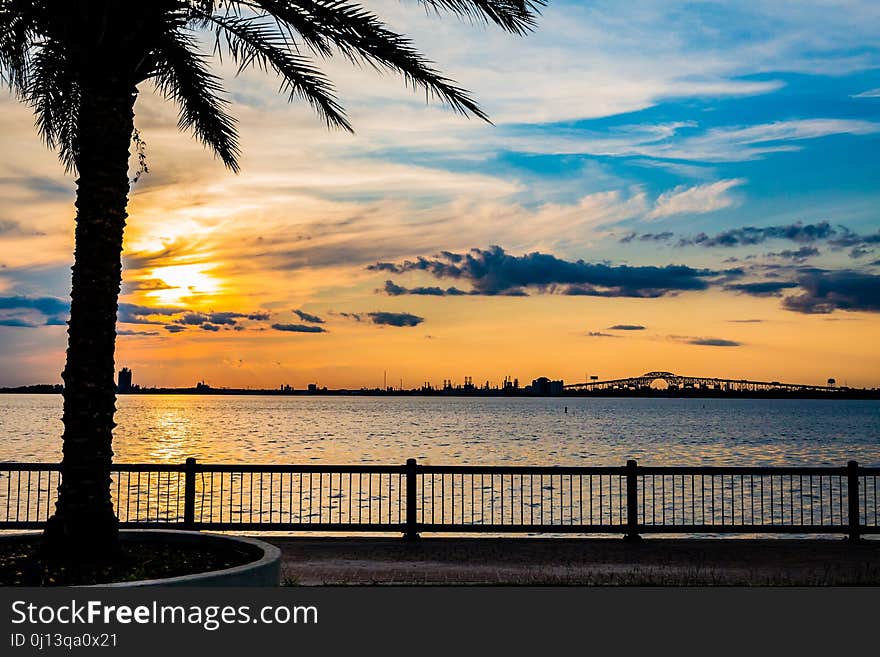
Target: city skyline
(703,203)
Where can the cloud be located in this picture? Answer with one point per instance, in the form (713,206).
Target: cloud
(749,235)
(383,318)
(696,200)
(647,237)
(714,342)
(299,328)
(799,255)
(17,322)
(746,321)
(206,326)
(306,317)
(722,144)
(859,252)
(600,334)
(44,305)
(762,289)
(14,228)
(825,292)
(492,271)
(626,327)
(174,328)
(130,313)
(870,93)
(129,332)
(394,290)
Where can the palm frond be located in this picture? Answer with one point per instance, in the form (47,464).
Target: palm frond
(16,43)
(181,74)
(361,36)
(515,16)
(54,94)
(253,42)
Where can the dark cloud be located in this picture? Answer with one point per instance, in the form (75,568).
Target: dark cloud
(714,342)
(9,227)
(749,235)
(626,327)
(17,322)
(307,317)
(258,316)
(746,321)
(44,305)
(860,252)
(128,332)
(762,289)
(825,292)
(147,284)
(395,290)
(42,186)
(395,319)
(299,328)
(130,313)
(845,238)
(223,318)
(174,328)
(209,327)
(494,272)
(600,334)
(647,237)
(797,255)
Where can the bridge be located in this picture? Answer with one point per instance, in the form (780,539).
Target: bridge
(679,382)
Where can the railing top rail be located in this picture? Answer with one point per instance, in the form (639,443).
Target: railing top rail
(745,470)
(286,467)
(32,467)
(521,469)
(148,467)
(459,469)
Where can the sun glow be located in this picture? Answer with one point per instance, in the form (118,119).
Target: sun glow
(182,282)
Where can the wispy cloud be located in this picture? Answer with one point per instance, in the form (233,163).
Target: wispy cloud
(696,200)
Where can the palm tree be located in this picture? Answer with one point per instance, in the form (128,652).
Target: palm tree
(79,64)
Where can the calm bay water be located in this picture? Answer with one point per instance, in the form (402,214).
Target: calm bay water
(462,431)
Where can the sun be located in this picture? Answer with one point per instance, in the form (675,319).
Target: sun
(182,282)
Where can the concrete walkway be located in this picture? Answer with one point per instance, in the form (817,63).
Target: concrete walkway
(576,561)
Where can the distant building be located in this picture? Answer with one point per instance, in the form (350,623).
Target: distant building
(544,386)
(124,380)
(201,386)
(313,387)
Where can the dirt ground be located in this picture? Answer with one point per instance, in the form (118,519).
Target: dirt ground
(577,561)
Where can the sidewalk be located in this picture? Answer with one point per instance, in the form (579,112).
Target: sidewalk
(576,561)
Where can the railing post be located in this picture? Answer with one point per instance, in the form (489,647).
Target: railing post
(852,485)
(411,532)
(632,501)
(189,494)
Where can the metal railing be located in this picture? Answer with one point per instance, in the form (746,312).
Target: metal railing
(413,498)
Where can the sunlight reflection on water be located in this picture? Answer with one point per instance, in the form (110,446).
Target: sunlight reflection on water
(462,431)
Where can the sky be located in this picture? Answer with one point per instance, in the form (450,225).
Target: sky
(691,187)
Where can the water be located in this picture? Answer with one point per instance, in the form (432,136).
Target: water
(461,431)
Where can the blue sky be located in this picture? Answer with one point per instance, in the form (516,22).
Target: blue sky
(643,134)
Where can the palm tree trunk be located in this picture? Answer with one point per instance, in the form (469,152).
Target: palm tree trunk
(84,522)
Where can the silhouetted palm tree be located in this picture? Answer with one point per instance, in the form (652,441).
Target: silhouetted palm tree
(78,64)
